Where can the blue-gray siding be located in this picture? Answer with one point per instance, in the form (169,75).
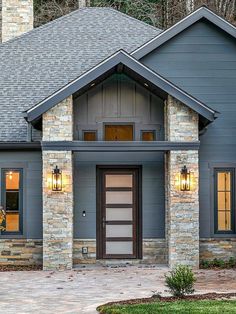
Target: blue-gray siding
(202,60)
(31,164)
(118,99)
(153,207)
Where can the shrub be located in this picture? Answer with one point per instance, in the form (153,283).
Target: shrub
(218,263)
(180,281)
(232,262)
(205,264)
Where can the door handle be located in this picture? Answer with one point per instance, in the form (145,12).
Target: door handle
(103,223)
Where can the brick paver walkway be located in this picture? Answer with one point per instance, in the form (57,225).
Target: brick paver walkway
(81,290)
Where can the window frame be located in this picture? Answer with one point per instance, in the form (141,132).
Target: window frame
(151,131)
(233,194)
(3,199)
(89,131)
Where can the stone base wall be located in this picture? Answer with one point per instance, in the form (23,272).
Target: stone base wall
(21,252)
(30,252)
(79,257)
(154,252)
(217,248)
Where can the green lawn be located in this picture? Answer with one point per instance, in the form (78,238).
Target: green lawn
(183,307)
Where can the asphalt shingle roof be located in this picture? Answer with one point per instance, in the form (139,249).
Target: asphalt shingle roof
(35,65)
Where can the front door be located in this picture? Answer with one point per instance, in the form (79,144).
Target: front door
(118,212)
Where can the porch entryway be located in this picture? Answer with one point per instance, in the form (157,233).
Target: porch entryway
(119,226)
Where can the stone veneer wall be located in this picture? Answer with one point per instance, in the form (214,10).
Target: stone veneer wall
(58,122)
(17,17)
(217,248)
(30,251)
(154,252)
(21,252)
(182,212)
(58,206)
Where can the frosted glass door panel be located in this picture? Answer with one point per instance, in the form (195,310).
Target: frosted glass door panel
(119,197)
(119,231)
(119,247)
(113,214)
(119,180)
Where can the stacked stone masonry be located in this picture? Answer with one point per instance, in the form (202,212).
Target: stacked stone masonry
(58,122)
(58,206)
(217,248)
(182,212)
(17,18)
(22,252)
(29,252)
(154,252)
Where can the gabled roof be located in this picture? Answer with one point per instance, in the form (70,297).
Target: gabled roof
(132,67)
(38,63)
(201,13)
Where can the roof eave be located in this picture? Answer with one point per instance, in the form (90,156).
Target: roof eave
(120,57)
(200,13)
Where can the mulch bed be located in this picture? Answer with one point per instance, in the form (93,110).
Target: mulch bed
(20,268)
(158,298)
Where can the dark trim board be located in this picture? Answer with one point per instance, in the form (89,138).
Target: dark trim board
(135,146)
(131,67)
(20,146)
(201,13)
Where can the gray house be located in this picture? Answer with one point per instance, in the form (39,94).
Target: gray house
(117,139)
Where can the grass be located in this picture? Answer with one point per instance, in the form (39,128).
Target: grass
(177,307)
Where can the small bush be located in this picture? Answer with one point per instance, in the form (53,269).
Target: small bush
(181,281)
(232,262)
(205,264)
(218,263)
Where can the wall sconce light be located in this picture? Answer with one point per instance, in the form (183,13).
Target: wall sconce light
(185,179)
(84,213)
(56,179)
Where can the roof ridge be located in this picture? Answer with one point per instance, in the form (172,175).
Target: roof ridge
(133,18)
(49,24)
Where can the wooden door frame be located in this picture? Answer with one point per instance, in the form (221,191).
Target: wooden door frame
(99,185)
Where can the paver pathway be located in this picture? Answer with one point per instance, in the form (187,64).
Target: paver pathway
(82,290)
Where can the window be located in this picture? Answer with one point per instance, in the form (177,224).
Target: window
(148,136)
(224,200)
(12,200)
(117,132)
(90,135)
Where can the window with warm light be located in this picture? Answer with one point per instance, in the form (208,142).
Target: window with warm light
(89,136)
(148,136)
(121,132)
(224,200)
(12,200)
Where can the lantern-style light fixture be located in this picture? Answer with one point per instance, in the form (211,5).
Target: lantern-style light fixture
(56,179)
(184,179)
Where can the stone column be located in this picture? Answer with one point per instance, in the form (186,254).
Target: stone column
(58,206)
(17,17)
(182,213)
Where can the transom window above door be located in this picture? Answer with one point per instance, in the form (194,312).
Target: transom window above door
(119,132)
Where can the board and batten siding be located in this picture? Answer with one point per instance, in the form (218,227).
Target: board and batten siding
(202,61)
(118,99)
(153,204)
(31,163)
